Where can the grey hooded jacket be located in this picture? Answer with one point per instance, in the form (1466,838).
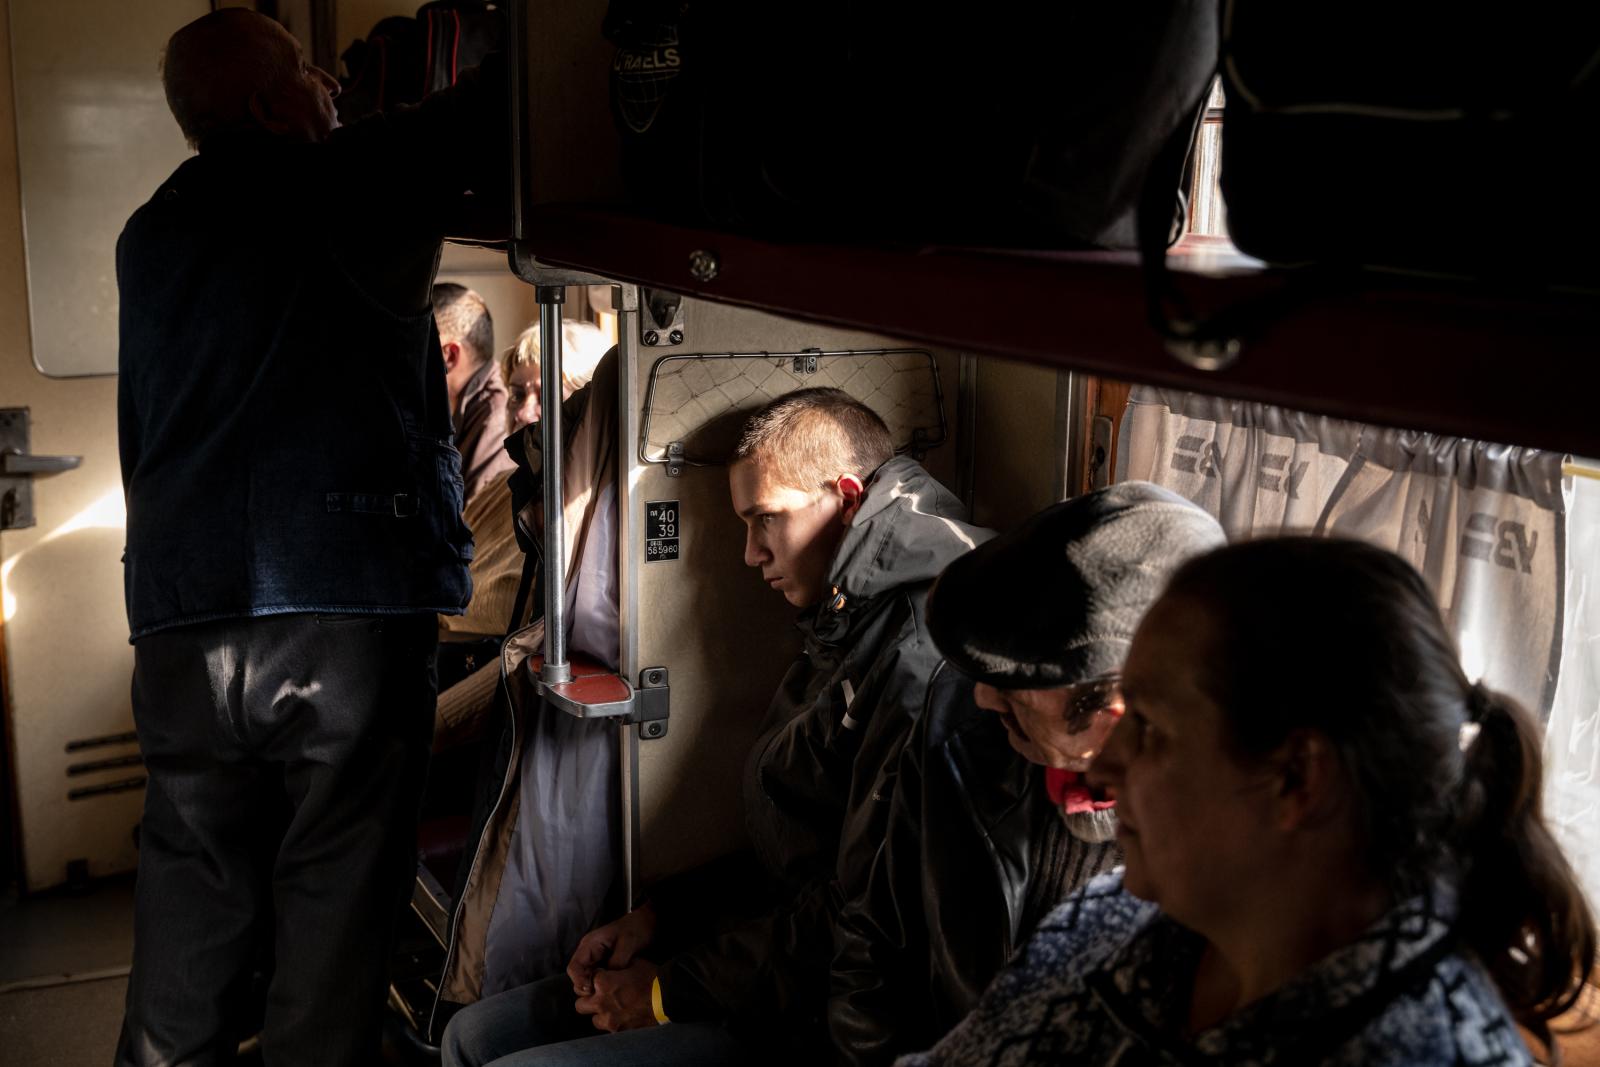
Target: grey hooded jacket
(820,773)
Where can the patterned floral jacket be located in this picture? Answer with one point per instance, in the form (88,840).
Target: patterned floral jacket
(1104,983)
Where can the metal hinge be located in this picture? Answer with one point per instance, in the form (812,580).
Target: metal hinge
(652,703)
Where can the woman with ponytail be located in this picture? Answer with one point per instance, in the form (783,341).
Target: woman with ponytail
(1335,849)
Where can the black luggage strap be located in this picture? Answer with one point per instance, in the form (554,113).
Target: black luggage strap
(532,581)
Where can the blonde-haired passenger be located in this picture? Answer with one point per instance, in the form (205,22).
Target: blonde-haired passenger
(583,344)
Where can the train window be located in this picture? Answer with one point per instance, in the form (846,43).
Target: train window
(1207,215)
(1508,537)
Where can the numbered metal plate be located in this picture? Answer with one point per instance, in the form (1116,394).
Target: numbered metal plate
(662,523)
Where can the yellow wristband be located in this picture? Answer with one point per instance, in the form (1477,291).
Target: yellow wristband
(655,1001)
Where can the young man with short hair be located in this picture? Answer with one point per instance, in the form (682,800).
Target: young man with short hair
(853,536)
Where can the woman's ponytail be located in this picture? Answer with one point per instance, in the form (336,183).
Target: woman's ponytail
(1445,775)
(1522,911)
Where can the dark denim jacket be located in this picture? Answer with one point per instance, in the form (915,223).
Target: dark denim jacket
(283,419)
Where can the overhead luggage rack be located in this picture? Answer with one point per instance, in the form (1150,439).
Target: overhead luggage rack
(1448,357)
(1499,364)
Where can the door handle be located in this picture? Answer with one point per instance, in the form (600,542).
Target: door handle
(14,462)
(18,466)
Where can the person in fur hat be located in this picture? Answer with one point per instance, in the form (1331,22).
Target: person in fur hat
(991,823)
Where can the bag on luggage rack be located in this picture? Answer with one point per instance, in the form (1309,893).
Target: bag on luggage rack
(457,35)
(385,68)
(1425,136)
(404,59)
(1034,125)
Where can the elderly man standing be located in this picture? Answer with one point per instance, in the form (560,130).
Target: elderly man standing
(294,524)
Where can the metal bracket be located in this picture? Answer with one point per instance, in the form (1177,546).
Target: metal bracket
(805,363)
(530,270)
(595,693)
(662,321)
(652,704)
(18,468)
(675,459)
(592,693)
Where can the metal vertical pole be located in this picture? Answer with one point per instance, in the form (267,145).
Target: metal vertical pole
(630,512)
(556,668)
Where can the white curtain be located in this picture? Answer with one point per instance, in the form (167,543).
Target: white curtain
(1572,740)
(1483,523)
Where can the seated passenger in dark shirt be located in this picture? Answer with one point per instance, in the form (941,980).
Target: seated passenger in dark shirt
(477,389)
(990,824)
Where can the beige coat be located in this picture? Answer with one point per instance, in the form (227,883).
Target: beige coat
(591,465)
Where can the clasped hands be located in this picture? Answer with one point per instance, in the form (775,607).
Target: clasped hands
(610,982)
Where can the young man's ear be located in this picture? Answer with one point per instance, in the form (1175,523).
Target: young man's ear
(452,355)
(851,490)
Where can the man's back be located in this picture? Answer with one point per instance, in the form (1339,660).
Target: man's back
(285,446)
(283,418)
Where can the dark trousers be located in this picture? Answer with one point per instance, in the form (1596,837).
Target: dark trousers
(286,758)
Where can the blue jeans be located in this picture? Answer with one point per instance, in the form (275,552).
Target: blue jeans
(537,1026)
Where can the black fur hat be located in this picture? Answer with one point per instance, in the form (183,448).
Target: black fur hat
(1056,600)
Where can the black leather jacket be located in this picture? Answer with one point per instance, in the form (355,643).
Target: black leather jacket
(974,855)
(818,778)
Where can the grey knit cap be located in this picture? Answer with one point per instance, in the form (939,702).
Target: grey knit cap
(1056,600)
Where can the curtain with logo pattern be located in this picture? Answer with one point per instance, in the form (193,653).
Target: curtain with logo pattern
(1572,738)
(1484,523)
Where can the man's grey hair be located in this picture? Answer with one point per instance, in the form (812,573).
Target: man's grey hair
(214,66)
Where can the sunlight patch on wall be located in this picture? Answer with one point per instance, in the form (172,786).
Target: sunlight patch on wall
(109,512)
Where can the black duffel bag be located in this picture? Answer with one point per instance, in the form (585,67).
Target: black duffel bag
(1429,136)
(1023,124)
